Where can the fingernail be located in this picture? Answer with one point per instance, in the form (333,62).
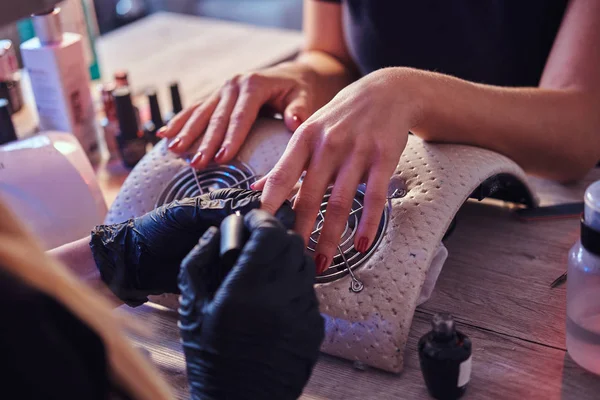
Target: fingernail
(161,132)
(363,245)
(321,262)
(197,158)
(220,154)
(253,186)
(174,143)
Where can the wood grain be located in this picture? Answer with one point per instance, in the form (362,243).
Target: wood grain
(503,367)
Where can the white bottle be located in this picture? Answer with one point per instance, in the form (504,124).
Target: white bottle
(60,80)
(583,288)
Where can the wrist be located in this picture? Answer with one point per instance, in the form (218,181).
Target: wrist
(415,89)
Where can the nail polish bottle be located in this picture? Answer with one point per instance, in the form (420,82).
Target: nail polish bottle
(132,145)
(121,78)
(445,358)
(7,129)
(175,101)
(110,122)
(156,121)
(10,80)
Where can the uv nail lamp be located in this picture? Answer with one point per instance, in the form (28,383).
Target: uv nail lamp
(368,300)
(48,182)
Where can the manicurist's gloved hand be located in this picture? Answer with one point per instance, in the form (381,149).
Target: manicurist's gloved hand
(142,256)
(256,334)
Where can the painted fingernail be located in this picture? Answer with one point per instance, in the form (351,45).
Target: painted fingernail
(161,132)
(321,262)
(197,158)
(174,143)
(363,245)
(220,154)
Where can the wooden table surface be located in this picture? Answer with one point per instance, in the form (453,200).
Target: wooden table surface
(495,281)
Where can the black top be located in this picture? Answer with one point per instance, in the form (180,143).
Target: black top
(47,353)
(499,42)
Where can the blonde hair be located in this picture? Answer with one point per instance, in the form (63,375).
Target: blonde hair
(23,257)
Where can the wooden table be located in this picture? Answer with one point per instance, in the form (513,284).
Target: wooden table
(495,281)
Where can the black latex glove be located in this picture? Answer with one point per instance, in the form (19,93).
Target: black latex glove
(141,257)
(257,334)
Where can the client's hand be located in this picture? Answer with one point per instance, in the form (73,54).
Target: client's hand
(257,334)
(142,256)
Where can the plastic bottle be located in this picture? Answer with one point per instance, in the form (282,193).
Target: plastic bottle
(583,288)
(60,80)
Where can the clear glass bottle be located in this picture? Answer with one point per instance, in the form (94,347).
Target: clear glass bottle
(583,288)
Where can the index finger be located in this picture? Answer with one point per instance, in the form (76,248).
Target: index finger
(286,173)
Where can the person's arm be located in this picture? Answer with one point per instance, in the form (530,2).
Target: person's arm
(551,131)
(325,50)
(359,136)
(78,258)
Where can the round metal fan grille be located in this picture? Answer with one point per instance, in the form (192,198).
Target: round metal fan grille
(213,177)
(347,256)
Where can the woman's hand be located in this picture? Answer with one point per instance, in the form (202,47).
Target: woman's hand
(226,117)
(358,137)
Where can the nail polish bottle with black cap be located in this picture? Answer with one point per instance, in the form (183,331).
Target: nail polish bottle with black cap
(7,129)
(156,121)
(175,100)
(132,144)
(445,358)
(583,287)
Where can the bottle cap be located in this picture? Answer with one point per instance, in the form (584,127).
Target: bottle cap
(126,113)
(155,113)
(7,129)
(443,326)
(48,27)
(175,97)
(121,78)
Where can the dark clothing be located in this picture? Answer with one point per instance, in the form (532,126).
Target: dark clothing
(47,352)
(499,42)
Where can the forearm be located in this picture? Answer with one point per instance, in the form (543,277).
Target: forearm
(77,257)
(550,133)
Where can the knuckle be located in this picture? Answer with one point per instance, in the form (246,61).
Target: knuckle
(308,202)
(371,224)
(218,120)
(377,198)
(252,81)
(327,241)
(279,177)
(332,141)
(236,120)
(233,81)
(337,207)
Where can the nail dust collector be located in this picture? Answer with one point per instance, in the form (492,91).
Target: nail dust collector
(368,300)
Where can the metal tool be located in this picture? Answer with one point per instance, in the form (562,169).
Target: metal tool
(356,285)
(195,173)
(559,281)
(233,239)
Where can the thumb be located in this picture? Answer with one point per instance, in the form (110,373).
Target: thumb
(297,111)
